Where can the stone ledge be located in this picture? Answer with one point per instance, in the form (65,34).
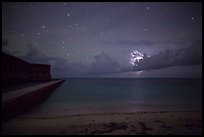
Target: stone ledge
(18,101)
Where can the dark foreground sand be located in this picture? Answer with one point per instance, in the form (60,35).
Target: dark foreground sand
(162,123)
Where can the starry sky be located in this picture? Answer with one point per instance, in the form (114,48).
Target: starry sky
(106,39)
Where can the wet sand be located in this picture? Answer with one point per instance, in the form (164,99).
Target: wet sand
(139,123)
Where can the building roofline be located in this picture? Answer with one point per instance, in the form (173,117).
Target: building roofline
(13,57)
(18,59)
(40,64)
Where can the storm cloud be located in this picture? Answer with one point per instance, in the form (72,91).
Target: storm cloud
(130,43)
(90,39)
(191,55)
(103,63)
(60,67)
(5,42)
(147,43)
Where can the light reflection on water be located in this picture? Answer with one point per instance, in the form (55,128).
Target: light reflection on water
(76,96)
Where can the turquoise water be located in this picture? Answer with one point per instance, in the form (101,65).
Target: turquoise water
(82,96)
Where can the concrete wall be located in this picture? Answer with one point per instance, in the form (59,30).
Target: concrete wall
(39,72)
(20,104)
(17,70)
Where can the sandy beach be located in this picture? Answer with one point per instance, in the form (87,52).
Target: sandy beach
(139,123)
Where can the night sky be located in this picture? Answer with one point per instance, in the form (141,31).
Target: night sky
(106,39)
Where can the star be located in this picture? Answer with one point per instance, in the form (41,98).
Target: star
(38,33)
(23,34)
(68,14)
(43,26)
(192,18)
(147,7)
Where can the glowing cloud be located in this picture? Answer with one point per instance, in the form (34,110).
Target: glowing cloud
(136,56)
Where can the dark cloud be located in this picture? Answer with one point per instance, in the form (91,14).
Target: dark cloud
(103,63)
(141,43)
(34,54)
(130,43)
(5,42)
(175,72)
(69,35)
(181,57)
(192,71)
(60,67)
(63,68)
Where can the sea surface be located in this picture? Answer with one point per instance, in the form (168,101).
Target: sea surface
(118,95)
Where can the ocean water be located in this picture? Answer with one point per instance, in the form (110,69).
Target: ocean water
(109,95)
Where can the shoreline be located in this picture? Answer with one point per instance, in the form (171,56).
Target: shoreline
(66,112)
(155,122)
(106,113)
